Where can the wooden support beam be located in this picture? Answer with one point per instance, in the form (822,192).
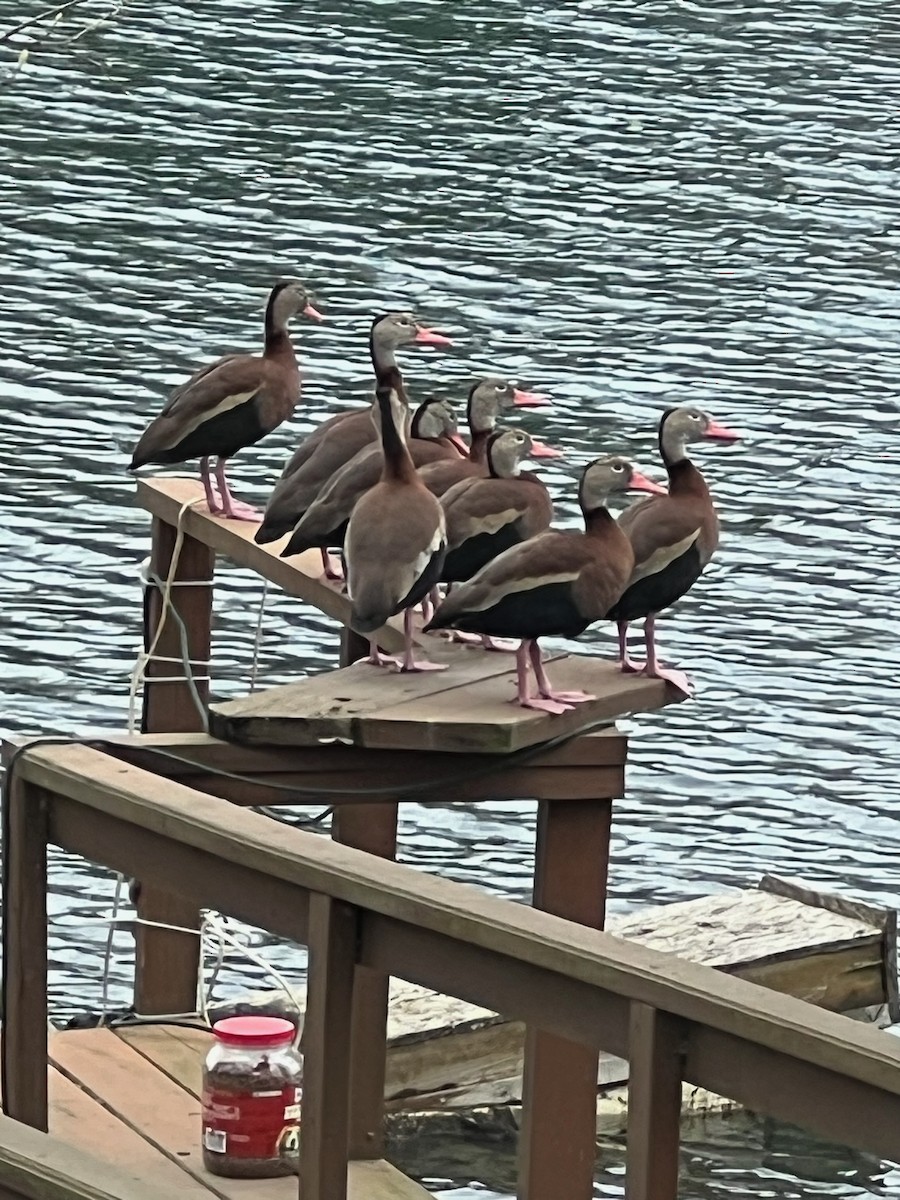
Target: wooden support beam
(655,1043)
(333,933)
(23,1043)
(166,962)
(372,828)
(559,1086)
(299,576)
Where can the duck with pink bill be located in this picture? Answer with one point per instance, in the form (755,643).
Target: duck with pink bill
(231,404)
(673,537)
(553,585)
(335,442)
(487,398)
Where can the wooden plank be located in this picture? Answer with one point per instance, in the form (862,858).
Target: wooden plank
(467,708)
(456,922)
(181,1059)
(330,704)
(654,1105)
(559,1085)
(381,1181)
(326,1049)
(24,1032)
(373,829)
(39,1167)
(300,576)
(581,768)
(163,1113)
(78,1120)
(197,751)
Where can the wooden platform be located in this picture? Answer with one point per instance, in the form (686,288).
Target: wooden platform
(132,1100)
(466,708)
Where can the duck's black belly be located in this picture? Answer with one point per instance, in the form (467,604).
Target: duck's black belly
(429,578)
(656,592)
(468,559)
(547,611)
(222,436)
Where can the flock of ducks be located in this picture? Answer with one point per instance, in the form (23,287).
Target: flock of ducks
(412,506)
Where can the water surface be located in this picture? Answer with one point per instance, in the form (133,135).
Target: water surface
(628,208)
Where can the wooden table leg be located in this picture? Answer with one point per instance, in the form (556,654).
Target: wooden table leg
(24,1032)
(557,1146)
(373,828)
(166,963)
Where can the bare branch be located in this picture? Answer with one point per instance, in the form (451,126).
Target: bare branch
(58,11)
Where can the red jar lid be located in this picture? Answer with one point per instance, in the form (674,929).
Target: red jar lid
(253,1031)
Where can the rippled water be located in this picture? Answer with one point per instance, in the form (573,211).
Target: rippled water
(627,207)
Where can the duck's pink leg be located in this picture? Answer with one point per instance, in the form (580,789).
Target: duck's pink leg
(523,690)
(331,568)
(499,645)
(628,665)
(652,667)
(410,662)
(377,659)
(212,502)
(545,687)
(235,510)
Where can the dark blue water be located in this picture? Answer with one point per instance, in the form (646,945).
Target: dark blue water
(631,207)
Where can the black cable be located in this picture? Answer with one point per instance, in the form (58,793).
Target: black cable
(494,765)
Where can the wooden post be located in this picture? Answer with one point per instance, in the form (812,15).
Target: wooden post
(324,1132)
(654,1105)
(24,1033)
(166,963)
(559,1088)
(373,828)
(353,646)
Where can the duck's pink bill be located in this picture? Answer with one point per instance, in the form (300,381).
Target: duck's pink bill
(459,443)
(541,450)
(430,338)
(720,433)
(530,399)
(312,313)
(640,483)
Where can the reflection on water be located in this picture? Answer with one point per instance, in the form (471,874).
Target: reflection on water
(628,207)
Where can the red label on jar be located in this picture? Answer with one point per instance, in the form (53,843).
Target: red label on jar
(260,1125)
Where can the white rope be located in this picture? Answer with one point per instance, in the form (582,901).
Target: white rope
(257,640)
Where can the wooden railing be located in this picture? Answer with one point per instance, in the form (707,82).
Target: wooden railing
(674,1021)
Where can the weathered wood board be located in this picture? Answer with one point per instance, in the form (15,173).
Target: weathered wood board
(133,1102)
(467,708)
(445,1055)
(300,575)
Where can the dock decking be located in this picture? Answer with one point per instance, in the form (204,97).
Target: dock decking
(131,1098)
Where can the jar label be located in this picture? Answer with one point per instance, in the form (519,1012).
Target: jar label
(256,1125)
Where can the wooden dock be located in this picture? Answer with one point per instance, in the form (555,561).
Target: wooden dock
(132,1099)
(446,1056)
(547,1008)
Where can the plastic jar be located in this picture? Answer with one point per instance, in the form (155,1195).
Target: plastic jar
(252,1086)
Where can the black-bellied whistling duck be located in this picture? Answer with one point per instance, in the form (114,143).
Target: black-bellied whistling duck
(486,398)
(554,584)
(395,543)
(485,516)
(433,437)
(339,438)
(673,537)
(231,403)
